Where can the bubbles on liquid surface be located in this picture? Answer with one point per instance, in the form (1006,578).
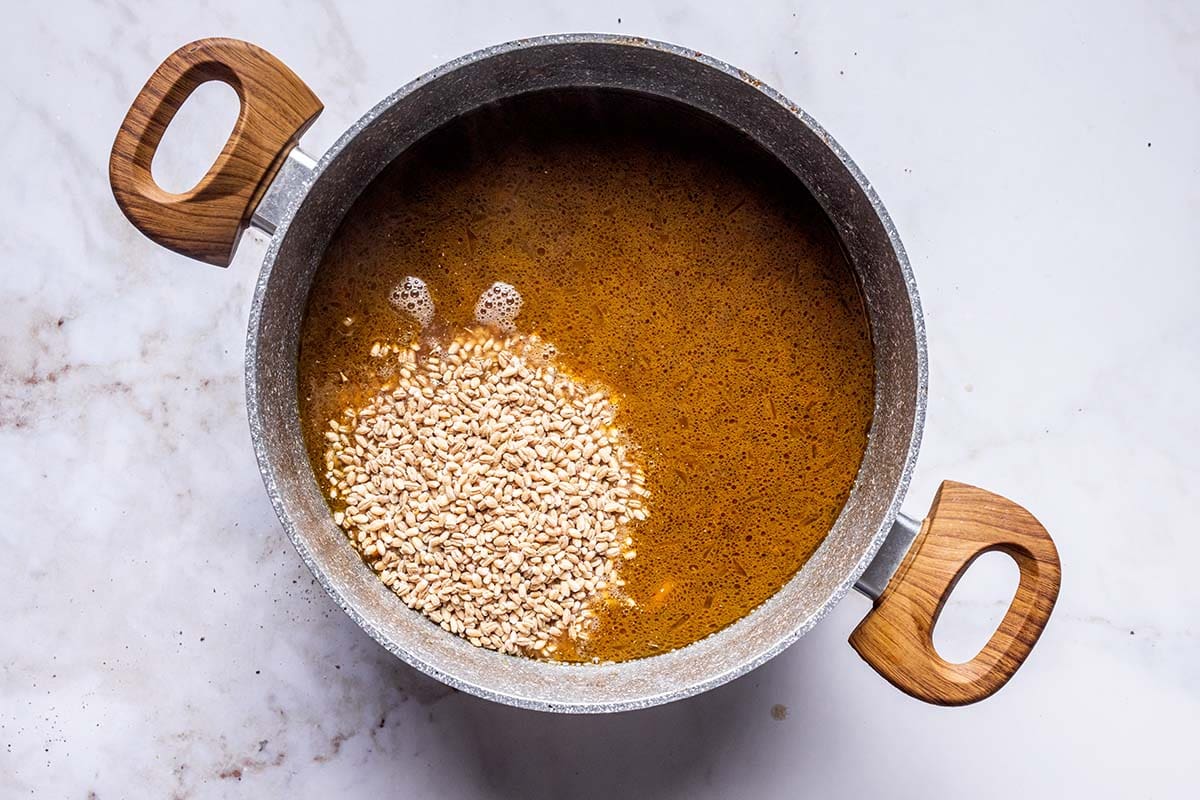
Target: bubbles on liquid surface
(411,296)
(499,307)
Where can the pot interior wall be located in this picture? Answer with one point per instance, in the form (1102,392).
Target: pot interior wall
(651,69)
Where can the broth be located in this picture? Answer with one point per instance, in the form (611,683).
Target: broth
(667,258)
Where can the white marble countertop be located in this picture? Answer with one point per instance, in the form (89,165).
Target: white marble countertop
(159,637)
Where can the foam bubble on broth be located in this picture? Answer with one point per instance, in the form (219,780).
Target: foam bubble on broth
(412,297)
(499,306)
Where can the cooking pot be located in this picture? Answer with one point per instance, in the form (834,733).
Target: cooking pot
(262,178)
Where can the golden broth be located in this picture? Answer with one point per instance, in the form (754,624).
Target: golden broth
(667,258)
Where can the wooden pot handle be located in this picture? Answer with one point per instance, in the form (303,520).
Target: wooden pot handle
(206,222)
(896,638)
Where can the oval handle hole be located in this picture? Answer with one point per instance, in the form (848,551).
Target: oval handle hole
(976,607)
(195,137)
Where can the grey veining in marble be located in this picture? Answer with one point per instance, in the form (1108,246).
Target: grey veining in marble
(159,637)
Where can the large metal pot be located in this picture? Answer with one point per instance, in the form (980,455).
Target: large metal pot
(262,178)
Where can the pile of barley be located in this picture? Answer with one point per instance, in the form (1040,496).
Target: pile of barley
(489,490)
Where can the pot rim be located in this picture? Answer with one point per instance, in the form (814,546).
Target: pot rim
(267,468)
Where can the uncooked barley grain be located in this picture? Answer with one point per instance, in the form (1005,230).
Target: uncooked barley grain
(489,490)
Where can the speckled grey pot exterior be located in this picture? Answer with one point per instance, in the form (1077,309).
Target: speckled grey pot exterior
(311,212)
